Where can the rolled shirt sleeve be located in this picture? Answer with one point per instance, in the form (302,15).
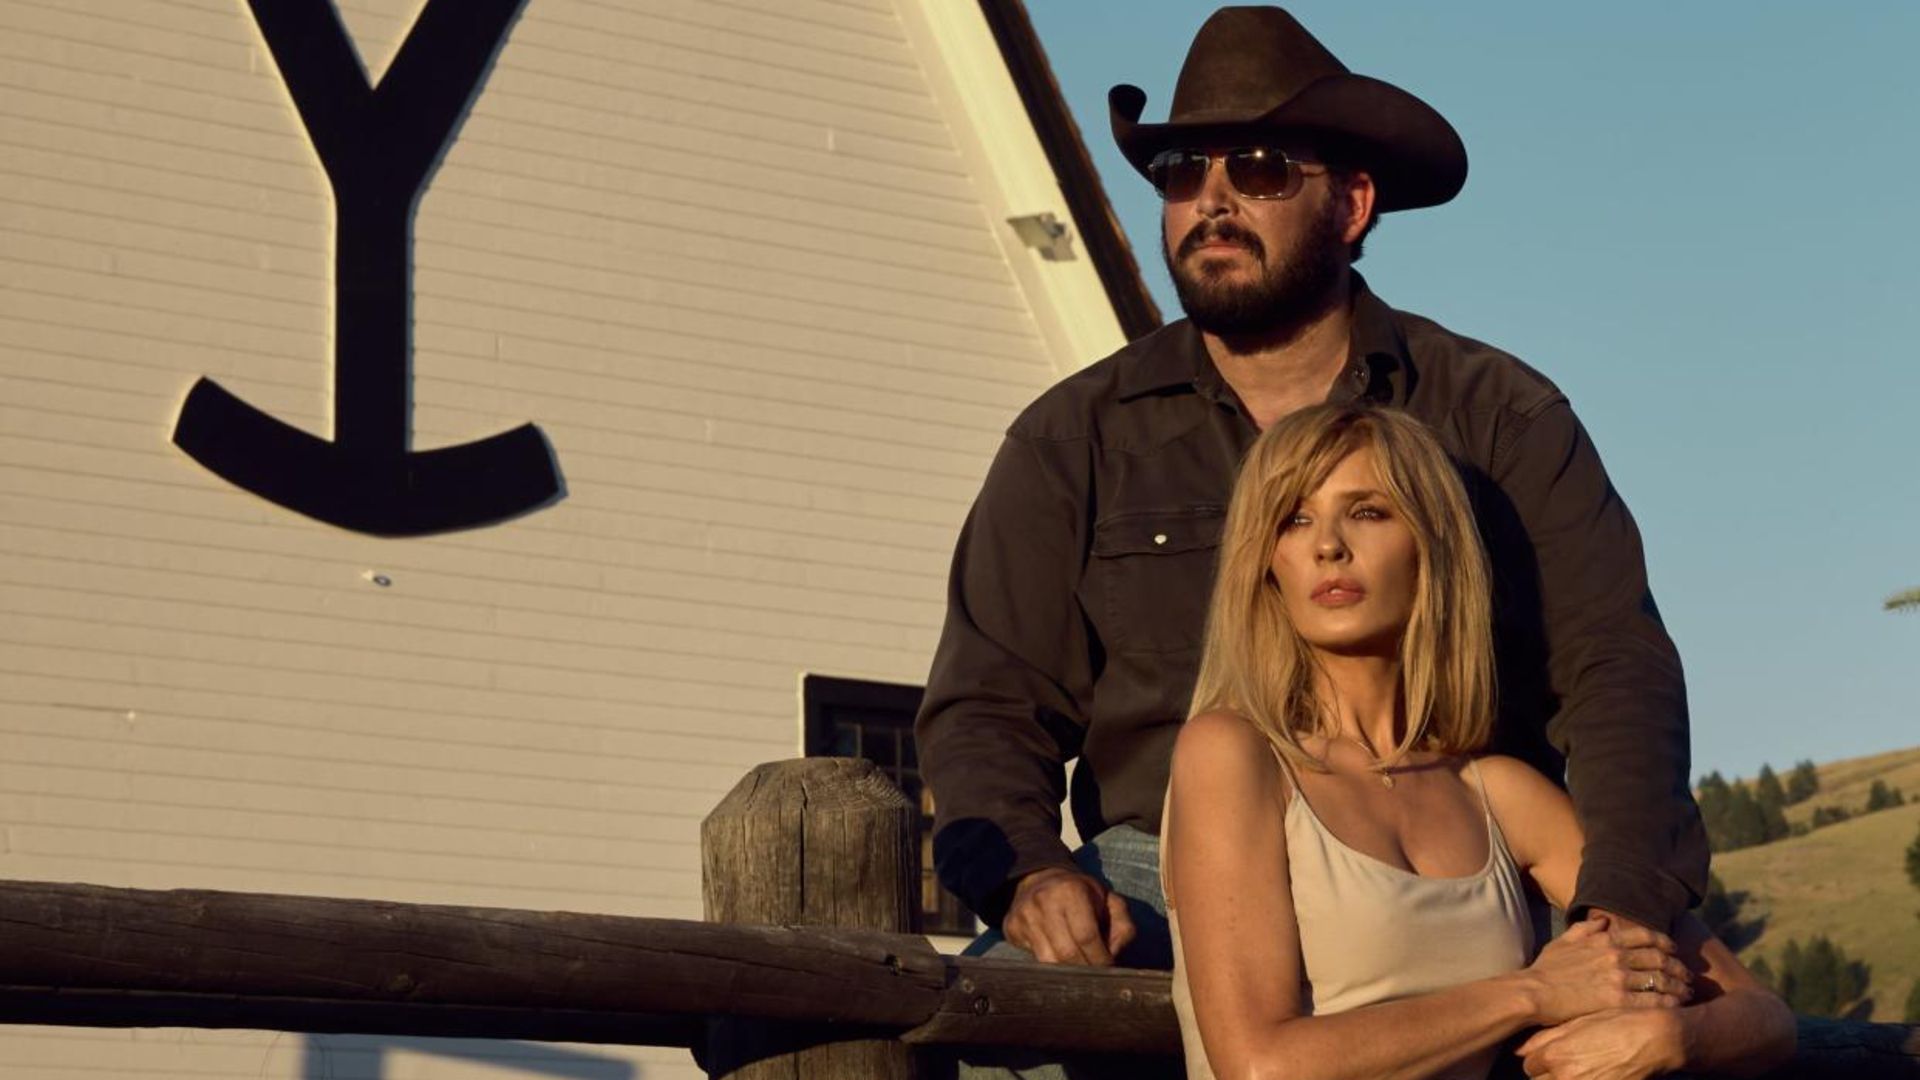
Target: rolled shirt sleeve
(1622,721)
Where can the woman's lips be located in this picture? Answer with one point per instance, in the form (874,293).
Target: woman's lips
(1338,592)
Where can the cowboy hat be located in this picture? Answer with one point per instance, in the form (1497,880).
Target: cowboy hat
(1256,69)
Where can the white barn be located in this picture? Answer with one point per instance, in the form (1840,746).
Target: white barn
(770,276)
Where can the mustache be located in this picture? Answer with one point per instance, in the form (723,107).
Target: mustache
(1211,231)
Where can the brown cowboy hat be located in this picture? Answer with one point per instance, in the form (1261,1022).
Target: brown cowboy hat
(1256,69)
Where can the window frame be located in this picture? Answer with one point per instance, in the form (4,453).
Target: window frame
(825,701)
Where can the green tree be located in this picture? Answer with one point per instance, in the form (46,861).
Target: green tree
(1882,797)
(1819,979)
(1913,861)
(1788,981)
(1904,600)
(1714,798)
(1802,782)
(1913,1003)
(1746,823)
(1829,815)
(1771,798)
(1712,784)
(1773,822)
(1819,983)
(1735,817)
(1750,819)
(1768,788)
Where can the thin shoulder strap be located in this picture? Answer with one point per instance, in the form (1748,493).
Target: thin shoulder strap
(1486,804)
(1286,770)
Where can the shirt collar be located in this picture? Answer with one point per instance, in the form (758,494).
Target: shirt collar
(1379,366)
(1172,357)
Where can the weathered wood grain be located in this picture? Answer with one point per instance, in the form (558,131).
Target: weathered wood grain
(1849,1049)
(813,842)
(86,955)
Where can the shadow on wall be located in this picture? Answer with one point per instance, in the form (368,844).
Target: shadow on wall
(363,1057)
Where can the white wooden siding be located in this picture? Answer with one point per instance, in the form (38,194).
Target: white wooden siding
(739,259)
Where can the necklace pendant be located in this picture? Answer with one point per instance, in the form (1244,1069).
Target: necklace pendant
(1386,780)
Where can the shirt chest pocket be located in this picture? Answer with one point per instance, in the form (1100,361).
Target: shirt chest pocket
(1151,575)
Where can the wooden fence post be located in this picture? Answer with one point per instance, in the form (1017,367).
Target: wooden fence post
(810,842)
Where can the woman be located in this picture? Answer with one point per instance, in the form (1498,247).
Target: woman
(1344,868)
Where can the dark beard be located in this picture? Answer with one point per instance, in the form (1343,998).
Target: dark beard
(1279,304)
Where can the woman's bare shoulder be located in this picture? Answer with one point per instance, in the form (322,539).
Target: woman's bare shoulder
(1224,747)
(1513,775)
(1536,816)
(1220,728)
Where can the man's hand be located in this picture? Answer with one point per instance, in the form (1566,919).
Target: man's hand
(1062,916)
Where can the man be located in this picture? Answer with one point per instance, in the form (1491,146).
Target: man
(1081,577)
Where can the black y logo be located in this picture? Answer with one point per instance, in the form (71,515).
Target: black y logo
(377,147)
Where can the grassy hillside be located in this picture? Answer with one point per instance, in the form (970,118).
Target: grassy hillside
(1845,783)
(1847,881)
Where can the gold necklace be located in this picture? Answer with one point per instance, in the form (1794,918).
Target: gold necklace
(1386,777)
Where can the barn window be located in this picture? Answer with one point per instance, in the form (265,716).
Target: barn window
(854,718)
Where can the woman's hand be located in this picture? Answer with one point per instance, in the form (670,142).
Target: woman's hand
(1619,1044)
(1587,969)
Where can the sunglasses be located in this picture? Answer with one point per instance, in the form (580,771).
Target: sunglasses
(1256,172)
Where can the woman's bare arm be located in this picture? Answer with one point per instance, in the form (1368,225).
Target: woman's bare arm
(1736,1028)
(1241,942)
(1538,821)
(1734,1024)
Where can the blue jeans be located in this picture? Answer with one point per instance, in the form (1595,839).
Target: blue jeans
(1128,860)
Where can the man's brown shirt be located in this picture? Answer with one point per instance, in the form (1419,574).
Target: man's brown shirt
(1081,579)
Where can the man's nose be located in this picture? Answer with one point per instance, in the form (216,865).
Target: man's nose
(1216,191)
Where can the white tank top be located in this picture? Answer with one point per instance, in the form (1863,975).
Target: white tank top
(1372,932)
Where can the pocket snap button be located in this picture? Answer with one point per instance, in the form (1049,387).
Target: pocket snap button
(1159,538)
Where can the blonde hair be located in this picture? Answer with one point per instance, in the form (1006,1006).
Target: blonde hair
(1256,664)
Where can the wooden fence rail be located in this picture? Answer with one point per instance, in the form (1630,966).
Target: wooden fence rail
(819,841)
(91,956)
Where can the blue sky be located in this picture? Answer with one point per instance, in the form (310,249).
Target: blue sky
(1700,220)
